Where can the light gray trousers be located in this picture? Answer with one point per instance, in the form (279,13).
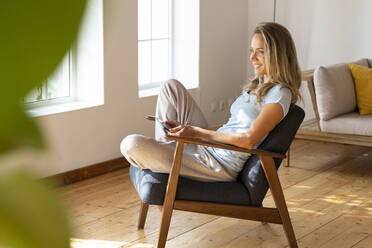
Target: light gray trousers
(175,103)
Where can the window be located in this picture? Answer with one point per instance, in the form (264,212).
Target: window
(168,43)
(78,82)
(58,87)
(154,42)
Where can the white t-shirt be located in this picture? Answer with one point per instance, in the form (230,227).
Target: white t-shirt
(244,111)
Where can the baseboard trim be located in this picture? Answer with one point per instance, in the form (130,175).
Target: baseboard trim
(86,172)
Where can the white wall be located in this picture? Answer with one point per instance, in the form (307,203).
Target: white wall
(328,31)
(186,19)
(88,136)
(223,53)
(258,11)
(325,31)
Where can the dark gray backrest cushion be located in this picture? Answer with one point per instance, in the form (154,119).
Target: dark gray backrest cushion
(278,140)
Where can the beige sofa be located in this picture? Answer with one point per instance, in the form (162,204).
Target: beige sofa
(334,101)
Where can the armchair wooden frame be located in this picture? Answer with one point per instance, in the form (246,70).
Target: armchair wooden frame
(278,215)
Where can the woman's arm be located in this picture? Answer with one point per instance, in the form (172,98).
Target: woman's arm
(213,128)
(176,123)
(269,117)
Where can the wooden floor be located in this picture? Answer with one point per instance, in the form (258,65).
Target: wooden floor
(328,189)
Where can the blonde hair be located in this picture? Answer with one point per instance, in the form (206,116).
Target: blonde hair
(280,61)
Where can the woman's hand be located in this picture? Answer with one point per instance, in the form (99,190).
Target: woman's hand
(172,124)
(183,131)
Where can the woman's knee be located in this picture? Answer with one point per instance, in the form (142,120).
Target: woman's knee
(171,85)
(130,144)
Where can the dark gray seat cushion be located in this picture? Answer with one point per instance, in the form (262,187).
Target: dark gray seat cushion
(250,188)
(151,187)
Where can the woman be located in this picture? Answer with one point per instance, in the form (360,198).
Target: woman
(263,104)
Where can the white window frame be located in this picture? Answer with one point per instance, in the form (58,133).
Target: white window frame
(151,88)
(62,99)
(86,68)
(184,33)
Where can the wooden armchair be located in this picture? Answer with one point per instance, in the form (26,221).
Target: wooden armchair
(241,199)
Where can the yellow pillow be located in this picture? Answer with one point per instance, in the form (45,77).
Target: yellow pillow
(363,86)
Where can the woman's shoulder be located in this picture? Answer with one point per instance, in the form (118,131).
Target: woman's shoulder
(278,90)
(279,94)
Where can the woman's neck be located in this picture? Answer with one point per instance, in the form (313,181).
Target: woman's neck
(266,79)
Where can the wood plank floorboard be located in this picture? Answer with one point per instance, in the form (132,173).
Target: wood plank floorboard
(365,243)
(327,189)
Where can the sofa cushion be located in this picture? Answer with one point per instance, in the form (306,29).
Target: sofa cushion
(351,123)
(363,87)
(334,88)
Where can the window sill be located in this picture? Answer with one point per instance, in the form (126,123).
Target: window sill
(61,108)
(155,91)
(148,92)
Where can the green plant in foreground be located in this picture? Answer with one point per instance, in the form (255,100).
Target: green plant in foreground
(35,35)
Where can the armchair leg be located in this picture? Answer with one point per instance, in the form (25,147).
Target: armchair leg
(164,225)
(142,215)
(277,193)
(288,156)
(170,196)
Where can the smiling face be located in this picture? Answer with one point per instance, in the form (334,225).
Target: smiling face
(257,56)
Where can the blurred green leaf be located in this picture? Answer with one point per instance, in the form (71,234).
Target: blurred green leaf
(30,214)
(35,35)
(18,129)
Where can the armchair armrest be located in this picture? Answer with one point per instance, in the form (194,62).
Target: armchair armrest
(220,145)
(225,146)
